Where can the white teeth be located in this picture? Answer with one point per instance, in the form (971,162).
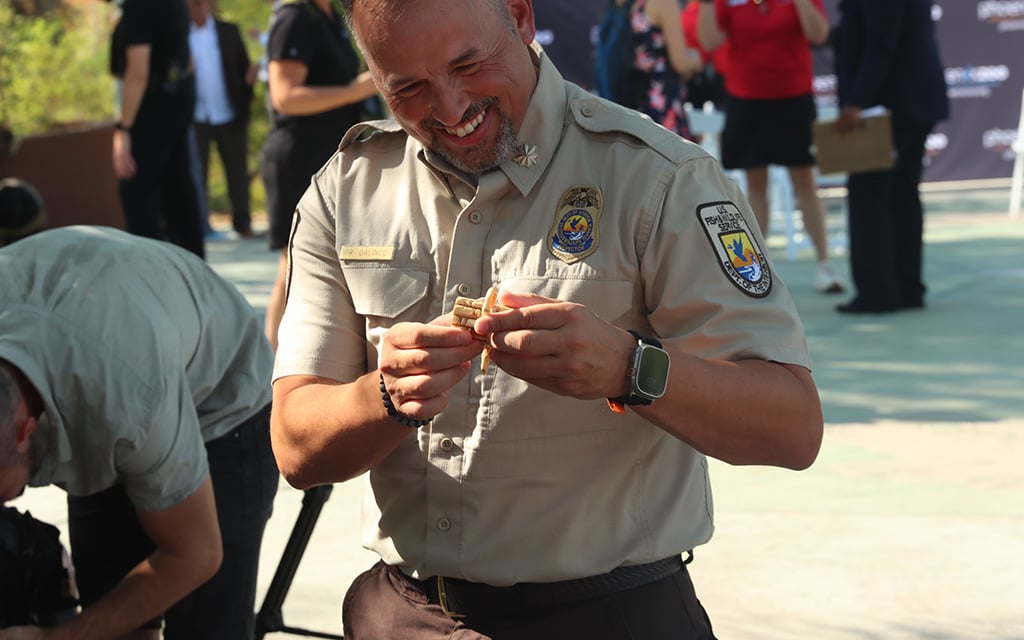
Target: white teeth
(469,127)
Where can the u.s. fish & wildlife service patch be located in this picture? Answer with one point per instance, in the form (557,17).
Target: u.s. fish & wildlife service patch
(742,260)
(575,234)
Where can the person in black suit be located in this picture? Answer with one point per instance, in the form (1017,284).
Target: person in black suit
(887,54)
(224,91)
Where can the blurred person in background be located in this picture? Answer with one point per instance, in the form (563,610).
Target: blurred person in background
(887,54)
(316,93)
(770,104)
(224,90)
(708,84)
(665,60)
(151,153)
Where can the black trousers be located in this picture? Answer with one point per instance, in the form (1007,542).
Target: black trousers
(384,604)
(232,141)
(886,224)
(162,200)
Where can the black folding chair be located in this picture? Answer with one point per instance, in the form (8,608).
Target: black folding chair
(270,618)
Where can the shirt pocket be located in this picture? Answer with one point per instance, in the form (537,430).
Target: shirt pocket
(386,296)
(610,300)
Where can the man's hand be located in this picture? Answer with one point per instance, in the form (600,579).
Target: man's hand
(124,162)
(849,119)
(421,362)
(559,346)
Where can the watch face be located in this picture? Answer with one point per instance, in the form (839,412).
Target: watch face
(652,372)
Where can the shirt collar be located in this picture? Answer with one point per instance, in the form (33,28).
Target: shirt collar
(203,27)
(541,131)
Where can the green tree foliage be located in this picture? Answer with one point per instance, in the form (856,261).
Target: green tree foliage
(53,68)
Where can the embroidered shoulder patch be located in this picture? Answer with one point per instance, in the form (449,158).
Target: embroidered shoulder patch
(743,262)
(574,235)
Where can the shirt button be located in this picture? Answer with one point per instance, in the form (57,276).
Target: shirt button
(587,111)
(447,444)
(475,217)
(444,524)
(465,289)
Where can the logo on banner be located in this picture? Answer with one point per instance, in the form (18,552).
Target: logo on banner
(975,82)
(1006,15)
(1000,141)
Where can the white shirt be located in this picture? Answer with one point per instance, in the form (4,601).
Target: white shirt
(212,104)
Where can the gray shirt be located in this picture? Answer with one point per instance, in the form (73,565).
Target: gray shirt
(141,353)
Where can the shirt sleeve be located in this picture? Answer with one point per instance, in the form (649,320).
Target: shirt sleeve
(137,26)
(710,285)
(321,333)
(291,35)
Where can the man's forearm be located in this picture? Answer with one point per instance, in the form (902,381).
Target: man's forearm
(323,431)
(136,79)
(146,592)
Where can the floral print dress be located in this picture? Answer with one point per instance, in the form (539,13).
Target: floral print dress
(665,89)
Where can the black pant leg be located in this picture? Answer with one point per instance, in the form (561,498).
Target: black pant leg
(141,194)
(872,259)
(908,213)
(232,147)
(180,199)
(204,135)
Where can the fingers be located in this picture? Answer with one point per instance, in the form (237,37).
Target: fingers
(524,311)
(420,362)
(422,396)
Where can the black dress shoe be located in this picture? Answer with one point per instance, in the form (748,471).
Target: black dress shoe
(854,306)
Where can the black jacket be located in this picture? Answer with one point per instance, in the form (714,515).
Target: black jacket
(235,61)
(887,54)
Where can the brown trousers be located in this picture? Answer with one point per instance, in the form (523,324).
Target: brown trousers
(384,604)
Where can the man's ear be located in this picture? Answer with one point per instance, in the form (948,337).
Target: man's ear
(522,15)
(23,432)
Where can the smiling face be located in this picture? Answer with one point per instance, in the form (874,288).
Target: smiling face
(456,75)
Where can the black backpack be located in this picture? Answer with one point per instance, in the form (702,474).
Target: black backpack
(615,74)
(36,584)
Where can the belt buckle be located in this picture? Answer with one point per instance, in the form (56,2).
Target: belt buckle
(442,599)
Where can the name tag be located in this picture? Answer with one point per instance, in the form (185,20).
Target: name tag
(367,253)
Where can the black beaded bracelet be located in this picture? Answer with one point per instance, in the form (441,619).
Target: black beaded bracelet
(400,418)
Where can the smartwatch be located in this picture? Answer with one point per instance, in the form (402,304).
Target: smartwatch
(648,374)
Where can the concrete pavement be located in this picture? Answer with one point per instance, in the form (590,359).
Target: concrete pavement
(911,523)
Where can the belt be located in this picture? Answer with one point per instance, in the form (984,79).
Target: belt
(461,598)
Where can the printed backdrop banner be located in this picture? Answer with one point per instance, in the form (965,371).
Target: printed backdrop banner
(982,47)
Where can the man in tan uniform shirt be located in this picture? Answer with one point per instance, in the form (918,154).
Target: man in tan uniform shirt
(519,480)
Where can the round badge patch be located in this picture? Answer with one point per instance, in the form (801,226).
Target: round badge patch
(742,260)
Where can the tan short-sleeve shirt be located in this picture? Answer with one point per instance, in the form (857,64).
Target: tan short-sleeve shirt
(511,482)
